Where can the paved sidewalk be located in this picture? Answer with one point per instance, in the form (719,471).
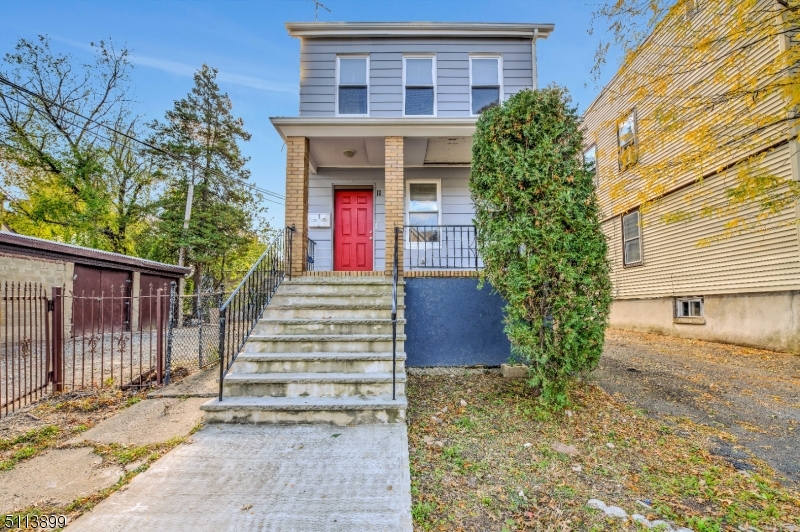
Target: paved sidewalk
(269,477)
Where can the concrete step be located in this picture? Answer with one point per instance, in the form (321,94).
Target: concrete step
(335,299)
(292,410)
(311,384)
(338,288)
(315,310)
(364,363)
(312,343)
(330,326)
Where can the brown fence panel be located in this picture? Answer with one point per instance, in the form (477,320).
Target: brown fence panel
(24,345)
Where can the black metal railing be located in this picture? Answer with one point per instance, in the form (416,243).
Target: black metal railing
(310,255)
(394,314)
(445,247)
(242,310)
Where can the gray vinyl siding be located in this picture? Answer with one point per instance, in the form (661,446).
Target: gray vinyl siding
(457,206)
(318,68)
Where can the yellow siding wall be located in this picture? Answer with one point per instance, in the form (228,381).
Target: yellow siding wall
(767,259)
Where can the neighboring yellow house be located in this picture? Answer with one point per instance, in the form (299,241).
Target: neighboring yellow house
(699,274)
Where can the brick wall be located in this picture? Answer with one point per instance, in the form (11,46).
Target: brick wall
(297,198)
(395,191)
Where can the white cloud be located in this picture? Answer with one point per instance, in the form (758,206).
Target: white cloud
(183,69)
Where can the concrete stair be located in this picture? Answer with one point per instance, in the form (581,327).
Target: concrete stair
(321,353)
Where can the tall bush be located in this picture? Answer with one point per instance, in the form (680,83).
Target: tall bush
(539,236)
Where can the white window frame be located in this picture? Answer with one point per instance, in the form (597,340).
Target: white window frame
(679,303)
(596,178)
(632,144)
(407,237)
(625,262)
(499,57)
(433,78)
(336,83)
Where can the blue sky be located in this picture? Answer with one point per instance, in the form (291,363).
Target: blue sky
(259,63)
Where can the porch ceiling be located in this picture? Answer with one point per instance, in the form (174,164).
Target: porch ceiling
(369,151)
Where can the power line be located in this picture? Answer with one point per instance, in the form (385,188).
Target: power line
(103,137)
(131,137)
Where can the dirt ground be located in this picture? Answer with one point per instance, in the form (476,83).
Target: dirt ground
(750,393)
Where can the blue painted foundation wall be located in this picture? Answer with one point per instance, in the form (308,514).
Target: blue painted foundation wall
(450,322)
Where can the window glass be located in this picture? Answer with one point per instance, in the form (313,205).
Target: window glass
(626,139)
(484,71)
(627,131)
(419,101)
(419,71)
(352,71)
(353,85)
(423,212)
(483,98)
(631,237)
(590,159)
(422,197)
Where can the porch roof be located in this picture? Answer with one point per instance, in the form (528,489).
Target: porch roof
(321,127)
(349,30)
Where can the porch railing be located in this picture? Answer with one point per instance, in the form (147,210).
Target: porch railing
(311,246)
(445,247)
(394,315)
(240,313)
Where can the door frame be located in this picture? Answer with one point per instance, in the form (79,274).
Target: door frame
(354,186)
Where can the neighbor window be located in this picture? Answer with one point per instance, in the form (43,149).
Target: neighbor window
(484,83)
(689,307)
(631,238)
(352,85)
(424,208)
(419,86)
(626,140)
(590,161)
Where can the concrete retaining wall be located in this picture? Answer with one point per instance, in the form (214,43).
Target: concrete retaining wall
(768,320)
(449,322)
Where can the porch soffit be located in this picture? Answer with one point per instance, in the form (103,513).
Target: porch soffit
(370,152)
(318,127)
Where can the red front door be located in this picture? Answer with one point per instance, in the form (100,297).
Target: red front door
(352,236)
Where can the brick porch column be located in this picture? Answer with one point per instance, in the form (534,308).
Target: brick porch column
(395,202)
(297,199)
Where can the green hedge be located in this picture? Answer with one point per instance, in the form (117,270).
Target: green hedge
(539,236)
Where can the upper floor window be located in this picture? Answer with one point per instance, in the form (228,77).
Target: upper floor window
(420,88)
(590,161)
(626,140)
(352,85)
(485,84)
(631,239)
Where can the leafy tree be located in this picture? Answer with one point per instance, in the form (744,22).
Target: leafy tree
(202,136)
(66,176)
(696,68)
(540,237)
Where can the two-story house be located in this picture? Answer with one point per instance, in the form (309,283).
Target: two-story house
(382,146)
(683,262)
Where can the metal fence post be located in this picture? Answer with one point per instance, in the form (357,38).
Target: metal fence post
(159,338)
(222,315)
(170,331)
(58,339)
(200,318)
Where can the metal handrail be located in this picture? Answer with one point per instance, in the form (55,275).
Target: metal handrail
(240,313)
(394,314)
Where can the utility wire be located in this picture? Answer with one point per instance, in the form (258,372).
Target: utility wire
(216,172)
(103,137)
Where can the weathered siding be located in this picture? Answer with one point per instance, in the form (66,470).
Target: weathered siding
(318,71)
(457,207)
(763,260)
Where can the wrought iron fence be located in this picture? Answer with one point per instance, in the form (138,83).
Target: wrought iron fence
(242,310)
(25,365)
(310,255)
(445,247)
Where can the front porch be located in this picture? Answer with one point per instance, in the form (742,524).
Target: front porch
(352,184)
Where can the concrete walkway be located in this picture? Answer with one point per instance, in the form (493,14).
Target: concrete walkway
(269,477)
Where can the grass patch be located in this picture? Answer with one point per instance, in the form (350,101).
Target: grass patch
(26,445)
(497,469)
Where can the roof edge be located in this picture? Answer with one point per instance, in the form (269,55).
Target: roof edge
(418,29)
(310,126)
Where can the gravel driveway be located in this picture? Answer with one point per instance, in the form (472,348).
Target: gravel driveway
(753,394)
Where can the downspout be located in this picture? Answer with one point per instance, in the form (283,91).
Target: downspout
(534,75)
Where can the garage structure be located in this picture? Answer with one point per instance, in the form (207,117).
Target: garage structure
(85,272)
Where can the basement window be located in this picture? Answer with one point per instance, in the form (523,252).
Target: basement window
(689,307)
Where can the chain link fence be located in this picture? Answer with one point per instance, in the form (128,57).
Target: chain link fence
(193,330)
